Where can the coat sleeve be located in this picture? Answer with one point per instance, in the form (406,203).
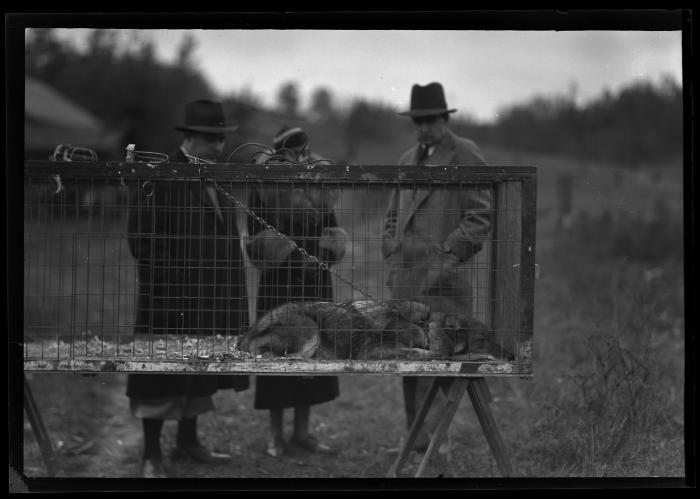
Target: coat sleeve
(267,249)
(475,226)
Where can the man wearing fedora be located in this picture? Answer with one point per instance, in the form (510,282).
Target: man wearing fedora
(431,235)
(186,240)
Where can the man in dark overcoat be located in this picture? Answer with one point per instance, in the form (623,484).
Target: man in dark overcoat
(186,239)
(432,235)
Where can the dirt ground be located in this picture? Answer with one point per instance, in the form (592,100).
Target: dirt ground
(95,435)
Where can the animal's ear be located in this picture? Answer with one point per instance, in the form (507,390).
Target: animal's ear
(452,322)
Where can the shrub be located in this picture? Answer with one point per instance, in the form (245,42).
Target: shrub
(610,385)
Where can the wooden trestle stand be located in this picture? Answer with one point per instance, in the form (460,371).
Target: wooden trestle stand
(454,389)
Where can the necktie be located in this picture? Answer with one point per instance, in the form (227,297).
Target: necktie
(422,152)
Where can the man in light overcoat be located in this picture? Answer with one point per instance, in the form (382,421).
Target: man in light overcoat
(432,234)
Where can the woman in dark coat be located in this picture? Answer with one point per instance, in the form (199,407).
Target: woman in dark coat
(191,282)
(307,217)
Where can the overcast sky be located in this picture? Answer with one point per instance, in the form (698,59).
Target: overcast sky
(481,71)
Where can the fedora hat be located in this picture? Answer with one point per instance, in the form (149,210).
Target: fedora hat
(205,116)
(427,101)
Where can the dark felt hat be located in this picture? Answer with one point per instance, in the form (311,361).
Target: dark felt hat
(205,116)
(428,101)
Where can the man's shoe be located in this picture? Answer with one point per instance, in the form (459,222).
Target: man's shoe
(200,453)
(311,444)
(153,468)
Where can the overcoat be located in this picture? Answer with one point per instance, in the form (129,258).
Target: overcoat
(306,216)
(431,232)
(431,236)
(191,278)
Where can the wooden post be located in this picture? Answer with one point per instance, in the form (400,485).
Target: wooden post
(505,318)
(39,430)
(528,270)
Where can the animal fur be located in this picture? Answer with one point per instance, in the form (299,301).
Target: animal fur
(367,330)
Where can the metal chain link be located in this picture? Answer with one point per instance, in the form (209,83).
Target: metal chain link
(301,250)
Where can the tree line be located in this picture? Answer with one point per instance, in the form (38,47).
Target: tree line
(131,90)
(641,123)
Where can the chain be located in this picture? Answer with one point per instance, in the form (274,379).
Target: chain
(301,250)
(240,204)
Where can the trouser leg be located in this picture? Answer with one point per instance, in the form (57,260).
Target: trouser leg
(151,437)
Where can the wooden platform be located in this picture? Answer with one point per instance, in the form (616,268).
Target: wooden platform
(219,354)
(281,367)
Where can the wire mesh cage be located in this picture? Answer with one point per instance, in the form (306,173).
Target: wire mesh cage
(320,269)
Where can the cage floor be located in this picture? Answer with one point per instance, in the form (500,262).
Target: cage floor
(219,354)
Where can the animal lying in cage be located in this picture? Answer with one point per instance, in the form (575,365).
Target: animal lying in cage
(368,330)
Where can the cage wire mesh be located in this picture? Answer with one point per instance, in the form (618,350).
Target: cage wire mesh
(277,269)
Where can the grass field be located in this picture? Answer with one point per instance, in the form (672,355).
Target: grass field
(606,399)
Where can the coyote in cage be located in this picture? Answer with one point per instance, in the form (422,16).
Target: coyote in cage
(368,330)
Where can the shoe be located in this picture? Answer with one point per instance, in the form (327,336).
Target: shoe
(311,444)
(200,453)
(276,447)
(153,468)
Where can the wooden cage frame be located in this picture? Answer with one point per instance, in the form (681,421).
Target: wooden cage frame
(515,190)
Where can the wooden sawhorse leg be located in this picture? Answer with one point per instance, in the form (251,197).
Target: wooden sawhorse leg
(413,432)
(40,433)
(454,389)
(480,396)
